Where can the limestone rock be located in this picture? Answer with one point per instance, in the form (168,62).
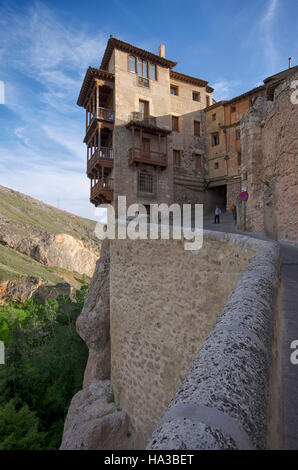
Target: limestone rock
(93,325)
(94,422)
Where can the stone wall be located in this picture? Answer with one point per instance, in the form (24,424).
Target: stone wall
(163,303)
(223,400)
(269,171)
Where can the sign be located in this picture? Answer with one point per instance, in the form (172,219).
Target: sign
(244,196)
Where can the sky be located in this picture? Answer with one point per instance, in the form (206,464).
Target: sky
(46,47)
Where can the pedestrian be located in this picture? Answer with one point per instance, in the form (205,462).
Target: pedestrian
(234,212)
(217,214)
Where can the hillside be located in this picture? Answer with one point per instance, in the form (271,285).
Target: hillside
(42,246)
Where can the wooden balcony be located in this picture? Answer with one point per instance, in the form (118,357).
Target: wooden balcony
(101,114)
(144,119)
(138,155)
(102,156)
(102,192)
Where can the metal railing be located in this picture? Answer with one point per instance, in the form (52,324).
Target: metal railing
(143,82)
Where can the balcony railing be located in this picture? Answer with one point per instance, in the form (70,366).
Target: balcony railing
(144,156)
(143,118)
(101,154)
(143,82)
(104,114)
(102,188)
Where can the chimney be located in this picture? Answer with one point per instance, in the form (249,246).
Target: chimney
(162,50)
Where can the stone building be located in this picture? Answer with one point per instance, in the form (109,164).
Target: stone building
(145,128)
(269,137)
(223,145)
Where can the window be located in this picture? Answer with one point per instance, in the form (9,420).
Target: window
(216,165)
(153,74)
(213,117)
(146,183)
(239,158)
(198,160)
(175,123)
(215,139)
(143,109)
(196,96)
(177,157)
(132,64)
(143,73)
(174,90)
(237,134)
(197,128)
(208,101)
(233,109)
(142,68)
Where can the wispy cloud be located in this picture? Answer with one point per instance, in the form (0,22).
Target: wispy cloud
(43,62)
(224,89)
(266,27)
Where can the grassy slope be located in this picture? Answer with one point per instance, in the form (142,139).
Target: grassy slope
(19,213)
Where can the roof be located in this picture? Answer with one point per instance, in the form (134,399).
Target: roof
(188,79)
(237,98)
(273,81)
(114,43)
(90,75)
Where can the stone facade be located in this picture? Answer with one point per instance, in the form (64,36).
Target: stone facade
(270,167)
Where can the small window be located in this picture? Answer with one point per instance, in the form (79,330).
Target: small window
(146,183)
(132,64)
(142,68)
(233,109)
(198,160)
(208,101)
(197,128)
(215,139)
(175,123)
(213,117)
(174,90)
(237,134)
(153,71)
(216,165)
(196,96)
(177,157)
(239,158)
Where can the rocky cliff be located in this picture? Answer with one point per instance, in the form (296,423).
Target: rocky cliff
(42,246)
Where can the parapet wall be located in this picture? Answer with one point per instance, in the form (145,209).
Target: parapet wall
(223,400)
(164,301)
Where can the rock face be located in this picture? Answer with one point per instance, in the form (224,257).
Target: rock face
(61,250)
(19,290)
(94,421)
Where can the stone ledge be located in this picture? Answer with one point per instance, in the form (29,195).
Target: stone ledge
(222,402)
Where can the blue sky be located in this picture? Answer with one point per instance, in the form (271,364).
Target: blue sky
(45,48)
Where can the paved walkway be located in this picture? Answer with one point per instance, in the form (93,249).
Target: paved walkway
(289,301)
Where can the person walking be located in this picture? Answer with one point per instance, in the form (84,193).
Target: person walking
(217,214)
(234,212)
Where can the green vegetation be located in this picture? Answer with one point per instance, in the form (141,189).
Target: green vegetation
(45,361)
